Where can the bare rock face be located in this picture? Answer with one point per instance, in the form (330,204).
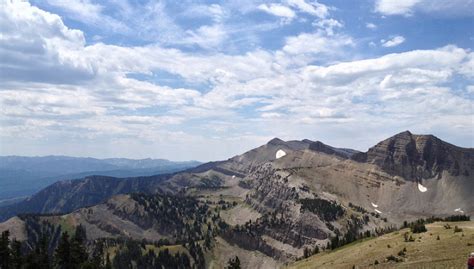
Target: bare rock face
(416,157)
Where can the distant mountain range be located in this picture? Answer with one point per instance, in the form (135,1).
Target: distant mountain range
(23,176)
(270,205)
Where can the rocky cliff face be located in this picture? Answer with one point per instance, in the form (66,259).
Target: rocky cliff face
(416,157)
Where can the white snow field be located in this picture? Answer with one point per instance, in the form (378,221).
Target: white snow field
(422,188)
(280,153)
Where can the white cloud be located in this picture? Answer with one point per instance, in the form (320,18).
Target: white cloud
(312,7)
(393,42)
(470,89)
(315,43)
(442,8)
(399,7)
(370,25)
(328,25)
(206,36)
(87,12)
(36,45)
(467,67)
(278,10)
(215,11)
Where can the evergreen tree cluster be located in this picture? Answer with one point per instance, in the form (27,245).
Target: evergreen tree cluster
(357,208)
(326,210)
(353,234)
(184,218)
(418,228)
(132,254)
(71,253)
(213,182)
(458,218)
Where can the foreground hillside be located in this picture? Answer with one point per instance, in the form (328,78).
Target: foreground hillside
(450,251)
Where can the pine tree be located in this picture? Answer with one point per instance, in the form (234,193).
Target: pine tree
(78,250)
(108,265)
(5,254)
(39,258)
(97,260)
(63,257)
(16,257)
(42,253)
(233,263)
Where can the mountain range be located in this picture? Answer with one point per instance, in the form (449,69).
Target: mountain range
(268,206)
(23,176)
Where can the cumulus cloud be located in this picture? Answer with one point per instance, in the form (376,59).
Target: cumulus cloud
(278,10)
(206,36)
(328,25)
(393,42)
(241,100)
(370,25)
(312,7)
(36,45)
(389,7)
(316,43)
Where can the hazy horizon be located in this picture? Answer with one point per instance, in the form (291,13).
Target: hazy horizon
(243,150)
(201,80)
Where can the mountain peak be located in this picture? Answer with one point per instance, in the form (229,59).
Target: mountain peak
(415,157)
(404,133)
(276,141)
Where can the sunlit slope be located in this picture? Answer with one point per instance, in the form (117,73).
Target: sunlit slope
(450,251)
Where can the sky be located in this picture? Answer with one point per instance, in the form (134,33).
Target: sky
(207,80)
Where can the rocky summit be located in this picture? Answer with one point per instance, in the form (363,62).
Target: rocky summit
(270,206)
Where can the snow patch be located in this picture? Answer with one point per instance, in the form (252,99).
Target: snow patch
(378,211)
(422,188)
(459,210)
(280,153)
(374,205)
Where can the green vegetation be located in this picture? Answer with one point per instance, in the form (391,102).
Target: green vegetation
(327,210)
(134,253)
(188,219)
(418,228)
(188,223)
(457,218)
(70,253)
(233,263)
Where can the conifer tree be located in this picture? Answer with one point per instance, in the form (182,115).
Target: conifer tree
(233,263)
(16,257)
(5,254)
(108,265)
(63,257)
(78,250)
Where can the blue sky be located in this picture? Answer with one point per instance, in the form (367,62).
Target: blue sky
(206,80)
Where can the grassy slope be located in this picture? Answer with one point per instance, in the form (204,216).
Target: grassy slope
(450,251)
